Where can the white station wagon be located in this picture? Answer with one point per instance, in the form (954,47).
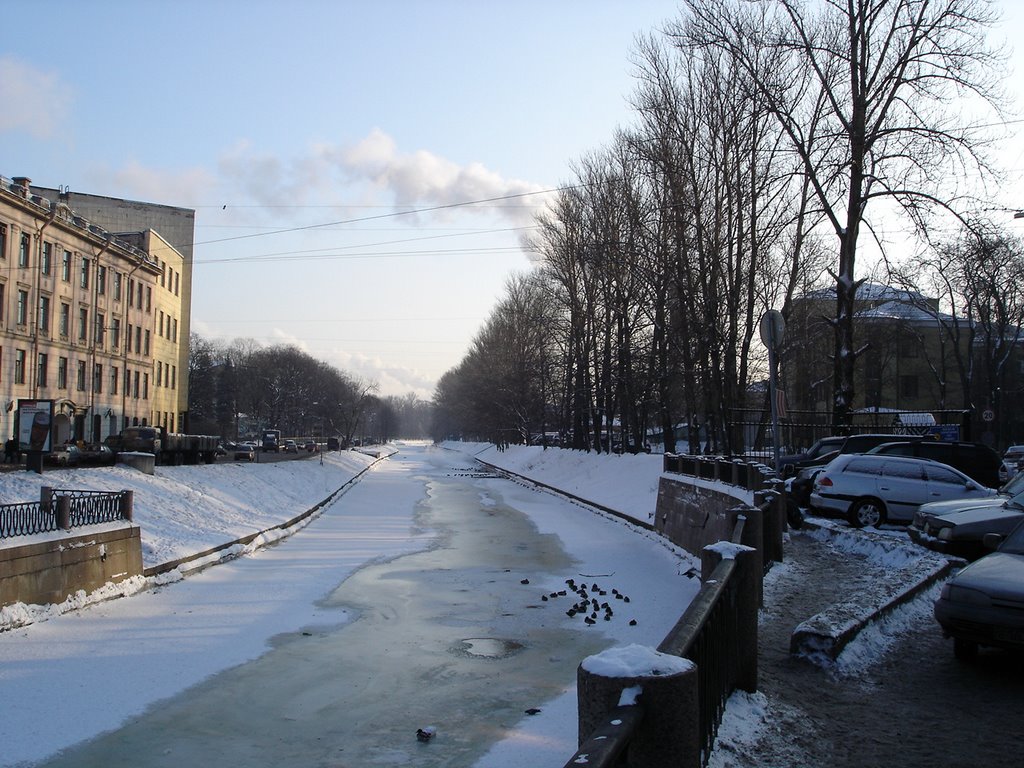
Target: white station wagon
(874,489)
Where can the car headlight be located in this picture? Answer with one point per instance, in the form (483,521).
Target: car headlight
(944,534)
(958,594)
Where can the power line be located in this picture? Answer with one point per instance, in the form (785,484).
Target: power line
(392,214)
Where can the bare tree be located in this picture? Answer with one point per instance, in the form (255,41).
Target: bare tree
(870,95)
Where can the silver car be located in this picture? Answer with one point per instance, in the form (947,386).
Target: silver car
(957,527)
(874,489)
(984,603)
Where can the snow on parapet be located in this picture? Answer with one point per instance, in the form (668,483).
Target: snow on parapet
(635,661)
(728,550)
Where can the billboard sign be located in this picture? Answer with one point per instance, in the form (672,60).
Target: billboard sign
(35,418)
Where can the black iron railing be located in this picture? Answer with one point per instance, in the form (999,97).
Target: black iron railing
(64,509)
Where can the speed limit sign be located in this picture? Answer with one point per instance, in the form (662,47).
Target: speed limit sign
(988,415)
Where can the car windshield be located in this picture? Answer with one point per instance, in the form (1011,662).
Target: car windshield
(1014,543)
(823,446)
(1014,486)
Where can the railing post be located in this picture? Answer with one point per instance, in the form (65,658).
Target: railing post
(667,689)
(64,513)
(748,578)
(127,505)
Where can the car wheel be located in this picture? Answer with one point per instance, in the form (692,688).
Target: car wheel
(866,512)
(964,650)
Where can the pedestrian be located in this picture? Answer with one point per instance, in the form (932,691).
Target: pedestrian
(11,451)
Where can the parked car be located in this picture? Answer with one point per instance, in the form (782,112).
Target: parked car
(290,446)
(975,460)
(874,489)
(1011,462)
(958,527)
(66,455)
(310,446)
(983,605)
(245,452)
(803,482)
(791,464)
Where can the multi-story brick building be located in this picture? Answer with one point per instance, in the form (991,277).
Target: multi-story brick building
(94,304)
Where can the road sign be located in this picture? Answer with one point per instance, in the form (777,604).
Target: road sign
(988,415)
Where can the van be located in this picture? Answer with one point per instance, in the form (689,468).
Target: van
(977,461)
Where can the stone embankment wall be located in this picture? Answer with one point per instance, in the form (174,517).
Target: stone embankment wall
(49,571)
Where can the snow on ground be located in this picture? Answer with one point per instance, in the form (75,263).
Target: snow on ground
(185,510)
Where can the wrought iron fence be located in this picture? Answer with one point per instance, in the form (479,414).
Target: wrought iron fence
(64,509)
(25,518)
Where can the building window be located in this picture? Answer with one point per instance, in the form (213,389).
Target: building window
(101,280)
(3,241)
(138,294)
(115,332)
(159,372)
(47,257)
(23,249)
(41,365)
(145,386)
(131,292)
(114,373)
(83,324)
(19,366)
(163,274)
(62,373)
(908,386)
(135,391)
(22,318)
(84,281)
(97,378)
(145,349)
(3,287)
(44,314)
(64,323)
(65,267)
(117,286)
(101,328)
(176,276)
(138,339)
(174,377)
(81,376)
(161,325)
(174,336)
(149,298)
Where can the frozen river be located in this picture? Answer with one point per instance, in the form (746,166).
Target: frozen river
(447,635)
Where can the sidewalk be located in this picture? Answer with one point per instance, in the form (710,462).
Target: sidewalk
(895,695)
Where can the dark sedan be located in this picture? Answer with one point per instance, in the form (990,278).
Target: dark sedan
(983,605)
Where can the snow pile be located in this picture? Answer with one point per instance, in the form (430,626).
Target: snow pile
(635,661)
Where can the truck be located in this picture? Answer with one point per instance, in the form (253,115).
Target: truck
(271,439)
(168,447)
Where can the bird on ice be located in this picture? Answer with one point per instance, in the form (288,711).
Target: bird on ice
(426,734)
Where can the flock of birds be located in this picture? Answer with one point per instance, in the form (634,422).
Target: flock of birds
(588,605)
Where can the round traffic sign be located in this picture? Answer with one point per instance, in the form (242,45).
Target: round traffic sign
(988,415)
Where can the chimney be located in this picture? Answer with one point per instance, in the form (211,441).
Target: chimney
(25,184)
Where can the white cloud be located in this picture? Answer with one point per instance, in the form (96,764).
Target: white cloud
(33,101)
(156,185)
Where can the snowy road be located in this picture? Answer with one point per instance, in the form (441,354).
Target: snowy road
(299,655)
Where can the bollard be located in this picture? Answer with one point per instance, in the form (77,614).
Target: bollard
(64,513)
(127,505)
(666,687)
(46,498)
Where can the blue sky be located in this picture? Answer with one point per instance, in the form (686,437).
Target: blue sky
(269,116)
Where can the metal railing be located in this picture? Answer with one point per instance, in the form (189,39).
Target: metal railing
(63,509)
(718,630)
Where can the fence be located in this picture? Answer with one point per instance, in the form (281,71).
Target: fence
(717,632)
(64,509)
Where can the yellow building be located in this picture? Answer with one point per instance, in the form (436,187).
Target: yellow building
(80,311)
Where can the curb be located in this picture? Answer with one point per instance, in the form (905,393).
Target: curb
(826,634)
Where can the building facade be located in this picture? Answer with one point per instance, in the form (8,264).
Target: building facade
(92,319)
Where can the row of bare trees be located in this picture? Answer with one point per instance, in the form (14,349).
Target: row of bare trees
(238,388)
(764,133)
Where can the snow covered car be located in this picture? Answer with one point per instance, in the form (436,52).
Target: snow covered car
(874,489)
(983,605)
(958,527)
(290,446)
